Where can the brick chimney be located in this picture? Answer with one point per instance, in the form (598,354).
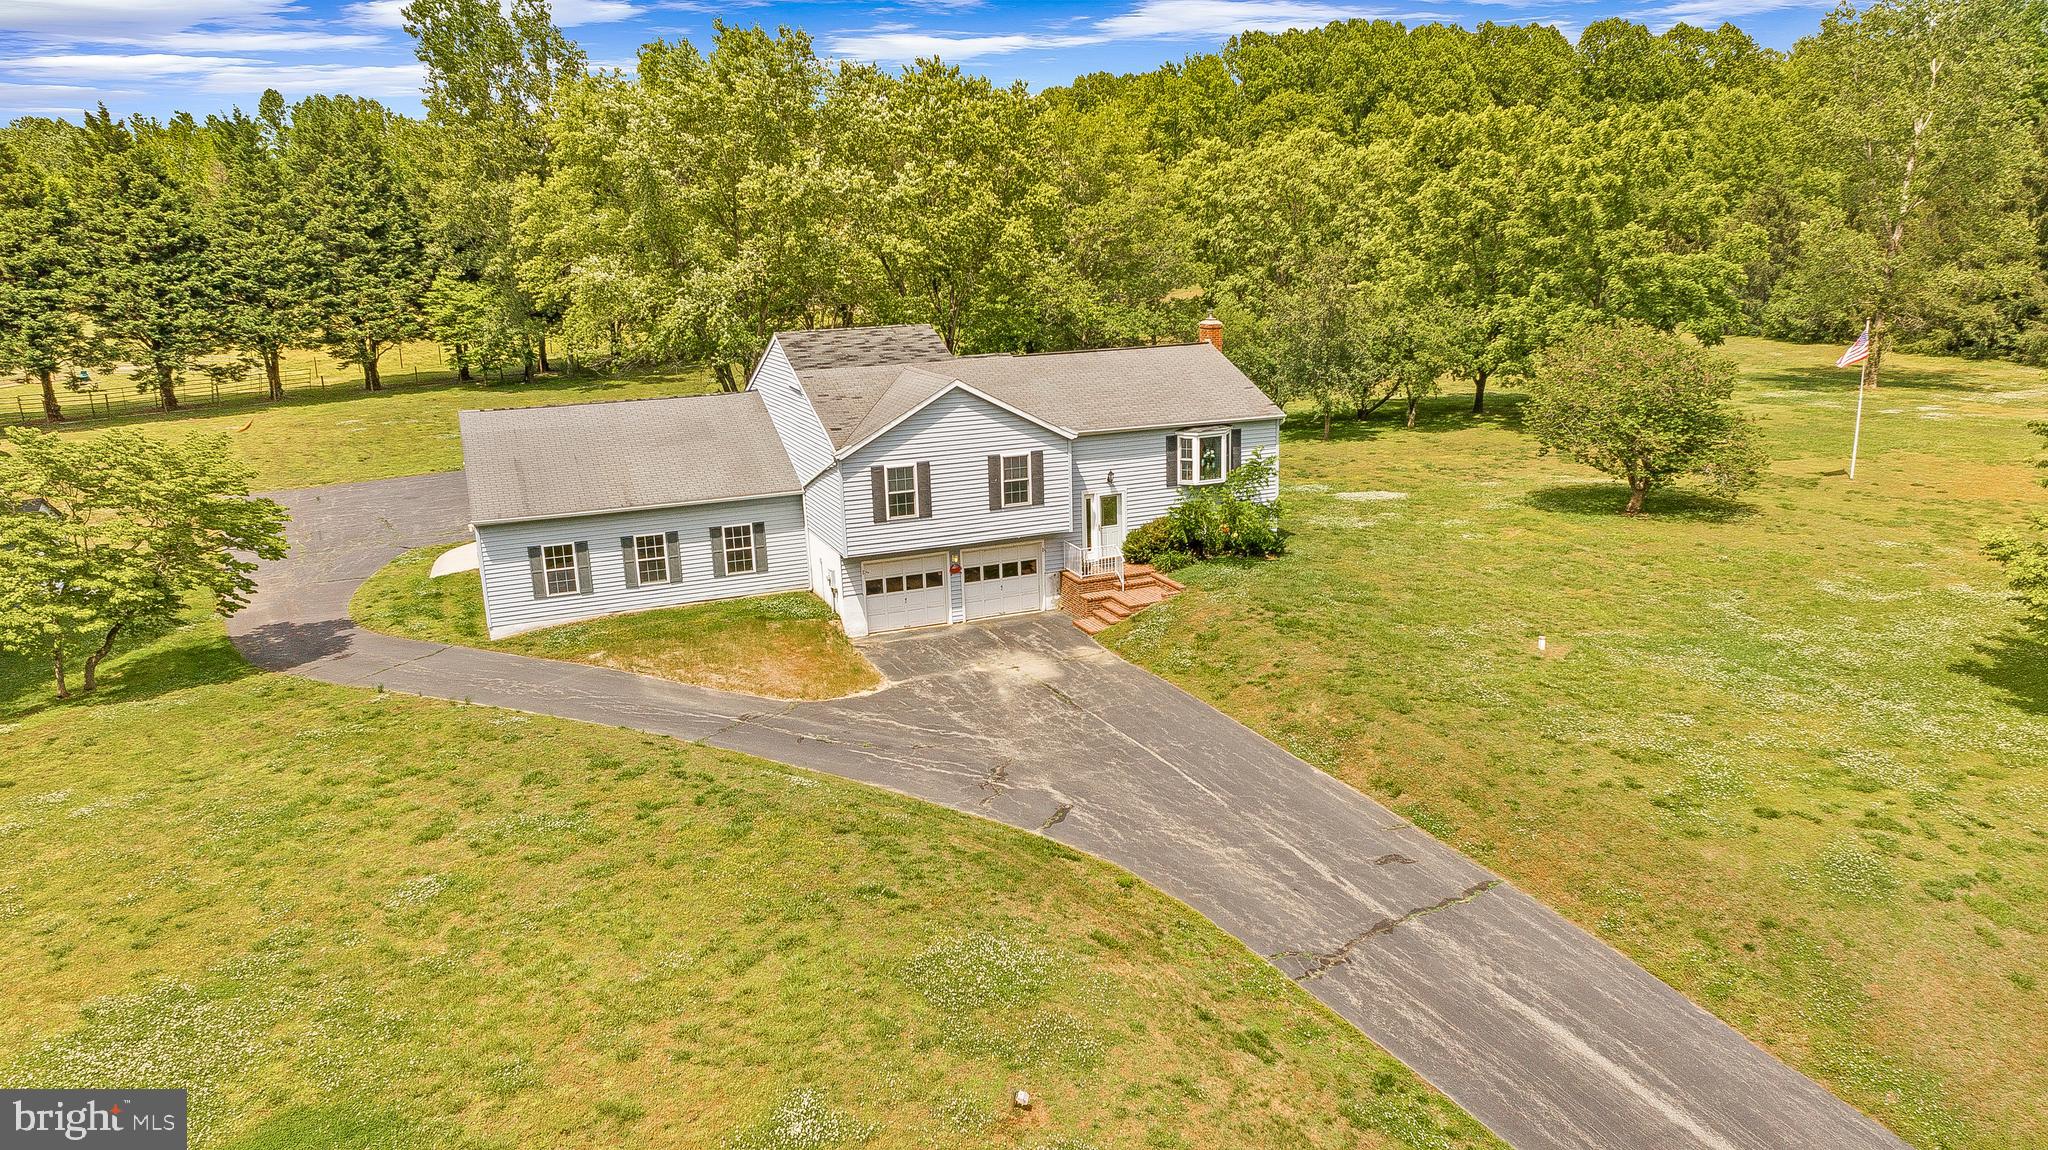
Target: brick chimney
(1210,331)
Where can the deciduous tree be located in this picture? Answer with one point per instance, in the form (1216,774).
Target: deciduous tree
(1645,407)
(106,536)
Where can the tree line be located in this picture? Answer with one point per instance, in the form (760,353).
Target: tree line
(1372,209)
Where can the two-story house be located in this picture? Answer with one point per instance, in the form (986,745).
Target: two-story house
(905,485)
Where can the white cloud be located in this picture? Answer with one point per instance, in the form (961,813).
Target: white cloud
(237,40)
(1709,13)
(1149,20)
(1214,19)
(231,75)
(378,81)
(74,20)
(895,46)
(113,66)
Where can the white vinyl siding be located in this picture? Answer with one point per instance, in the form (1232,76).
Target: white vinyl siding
(955,435)
(510,605)
(825,510)
(789,408)
(1137,459)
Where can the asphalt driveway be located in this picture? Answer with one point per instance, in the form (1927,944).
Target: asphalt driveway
(1545,1034)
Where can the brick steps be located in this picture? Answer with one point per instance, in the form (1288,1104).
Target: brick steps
(1098,603)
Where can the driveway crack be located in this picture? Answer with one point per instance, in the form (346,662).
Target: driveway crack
(1321,962)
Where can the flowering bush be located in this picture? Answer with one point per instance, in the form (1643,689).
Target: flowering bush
(1227,520)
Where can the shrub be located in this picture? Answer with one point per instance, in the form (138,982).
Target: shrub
(1227,520)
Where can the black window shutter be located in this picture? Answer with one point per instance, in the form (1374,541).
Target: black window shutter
(540,577)
(995,483)
(1038,479)
(879,493)
(583,583)
(672,557)
(631,555)
(1173,461)
(718,552)
(924,491)
(1236,448)
(760,548)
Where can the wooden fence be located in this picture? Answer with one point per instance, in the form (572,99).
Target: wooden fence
(25,404)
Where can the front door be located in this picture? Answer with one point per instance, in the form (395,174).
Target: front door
(1105,525)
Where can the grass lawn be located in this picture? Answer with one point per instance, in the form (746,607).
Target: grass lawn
(407,429)
(787,646)
(1789,753)
(350,919)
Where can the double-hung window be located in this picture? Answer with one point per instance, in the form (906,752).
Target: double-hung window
(1202,457)
(1016,480)
(739,549)
(558,565)
(650,558)
(901,491)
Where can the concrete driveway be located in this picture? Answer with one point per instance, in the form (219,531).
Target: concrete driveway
(1545,1034)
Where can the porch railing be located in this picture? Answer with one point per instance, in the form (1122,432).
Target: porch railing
(1081,563)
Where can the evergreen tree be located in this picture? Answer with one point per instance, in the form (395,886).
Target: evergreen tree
(361,230)
(148,281)
(39,325)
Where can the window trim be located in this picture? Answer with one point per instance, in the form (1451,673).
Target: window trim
(745,550)
(889,493)
(548,571)
(1003,480)
(641,560)
(1190,457)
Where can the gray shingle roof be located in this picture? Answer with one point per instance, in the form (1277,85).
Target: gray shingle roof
(830,347)
(1119,389)
(577,459)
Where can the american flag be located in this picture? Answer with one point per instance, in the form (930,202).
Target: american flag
(1858,351)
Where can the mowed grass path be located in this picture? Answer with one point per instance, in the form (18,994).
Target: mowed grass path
(787,646)
(340,436)
(1790,753)
(348,919)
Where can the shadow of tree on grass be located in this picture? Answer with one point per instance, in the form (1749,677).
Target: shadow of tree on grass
(153,666)
(2015,663)
(1452,412)
(1608,499)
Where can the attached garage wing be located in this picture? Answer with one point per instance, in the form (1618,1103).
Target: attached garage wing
(907,592)
(1003,580)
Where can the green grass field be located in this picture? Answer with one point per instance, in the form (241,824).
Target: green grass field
(347,919)
(340,436)
(1790,753)
(787,646)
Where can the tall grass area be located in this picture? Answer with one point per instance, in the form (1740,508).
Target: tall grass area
(1790,753)
(347,919)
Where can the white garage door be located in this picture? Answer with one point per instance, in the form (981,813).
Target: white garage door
(905,592)
(1003,580)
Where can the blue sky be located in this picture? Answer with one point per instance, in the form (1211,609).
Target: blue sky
(157,56)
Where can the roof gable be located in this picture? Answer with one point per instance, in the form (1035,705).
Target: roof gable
(915,390)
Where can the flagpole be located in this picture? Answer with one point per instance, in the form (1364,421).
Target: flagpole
(1856,437)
